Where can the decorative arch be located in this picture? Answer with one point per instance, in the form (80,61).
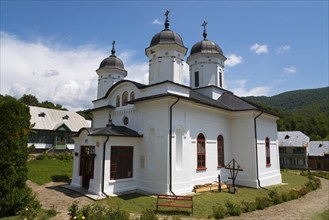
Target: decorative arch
(179,133)
(124,98)
(201,152)
(220,151)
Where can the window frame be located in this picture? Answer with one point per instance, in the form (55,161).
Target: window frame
(132,95)
(268,151)
(125,98)
(118,101)
(201,152)
(220,152)
(196,79)
(123,163)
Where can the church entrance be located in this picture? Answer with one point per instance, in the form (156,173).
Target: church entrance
(87,157)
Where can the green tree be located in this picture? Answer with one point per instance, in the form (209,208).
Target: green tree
(14,127)
(29,99)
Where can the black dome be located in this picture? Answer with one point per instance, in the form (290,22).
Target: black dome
(166,36)
(112,62)
(206,46)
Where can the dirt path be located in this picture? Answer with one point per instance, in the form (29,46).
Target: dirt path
(303,208)
(314,202)
(52,195)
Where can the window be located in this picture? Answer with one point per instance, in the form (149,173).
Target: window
(124,98)
(121,163)
(220,79)
(196,79)
(220,151)
(132,96)
(201,152)
(268,152)
(118,101)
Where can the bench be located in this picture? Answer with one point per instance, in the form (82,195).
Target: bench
(175,201)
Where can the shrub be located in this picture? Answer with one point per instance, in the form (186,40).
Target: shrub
(248,206)
(64,156)
(148,214)
(232,208)
(285,196)
(117,214)
(263,202)
(42,156)
(51,212)
(73,210)
(302,191)
(275,196)
(219,212)
(293,194)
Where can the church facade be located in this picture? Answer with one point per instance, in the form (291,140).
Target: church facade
(166,137)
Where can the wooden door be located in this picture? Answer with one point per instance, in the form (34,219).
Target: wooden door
(87,164)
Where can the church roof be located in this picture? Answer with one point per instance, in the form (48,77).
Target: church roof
(52,119)
(113,130)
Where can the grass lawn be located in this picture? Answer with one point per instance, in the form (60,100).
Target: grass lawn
(322,216)
(49,170)
(203,202)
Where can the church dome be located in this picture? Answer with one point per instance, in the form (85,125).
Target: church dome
(166,36)
(112,61)
(206,46)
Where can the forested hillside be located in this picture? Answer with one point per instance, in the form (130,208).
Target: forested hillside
(303,110)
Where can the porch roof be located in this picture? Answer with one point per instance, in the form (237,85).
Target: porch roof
(112,130)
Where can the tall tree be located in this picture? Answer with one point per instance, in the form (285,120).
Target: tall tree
(14,128)
(29,99)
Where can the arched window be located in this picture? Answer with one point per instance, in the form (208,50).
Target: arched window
(118,101)
(268,152)
(132,96)
(201,152)
(124,98)
(220,151)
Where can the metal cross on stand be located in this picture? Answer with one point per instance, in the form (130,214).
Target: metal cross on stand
(234,168)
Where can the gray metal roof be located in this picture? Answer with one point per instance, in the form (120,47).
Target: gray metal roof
(318,148)
(293,139)
(112,130)
(51,119)
(206,46)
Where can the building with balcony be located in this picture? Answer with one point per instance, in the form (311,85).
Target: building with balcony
(293,149)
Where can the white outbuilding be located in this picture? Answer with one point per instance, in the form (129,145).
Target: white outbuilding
(167,137)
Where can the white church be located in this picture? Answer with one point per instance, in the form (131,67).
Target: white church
(166,137)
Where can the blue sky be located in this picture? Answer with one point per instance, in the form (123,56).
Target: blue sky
(51,49)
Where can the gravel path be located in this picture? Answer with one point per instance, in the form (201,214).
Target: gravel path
(303,208)
(314,202)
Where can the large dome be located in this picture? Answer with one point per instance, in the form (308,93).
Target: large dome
(166,36)
(206,46)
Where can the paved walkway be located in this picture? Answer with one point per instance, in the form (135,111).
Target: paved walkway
(314,202)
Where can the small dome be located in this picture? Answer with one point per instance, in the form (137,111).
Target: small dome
(206,46)
(166,36)
(112,61)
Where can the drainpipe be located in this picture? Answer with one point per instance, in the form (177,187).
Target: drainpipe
(255,125)
(103,168)
(170,146)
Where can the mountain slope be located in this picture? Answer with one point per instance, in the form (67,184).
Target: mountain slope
(303,110)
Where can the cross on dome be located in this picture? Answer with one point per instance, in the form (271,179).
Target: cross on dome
(204,24)
(167,19)
(113,49)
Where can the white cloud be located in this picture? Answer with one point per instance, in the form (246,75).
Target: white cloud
(233,60)
(157,22)
(259,49)
(239,88)
(62,75)
(283,49)
(290,69)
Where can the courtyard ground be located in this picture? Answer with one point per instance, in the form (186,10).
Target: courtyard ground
(52,195)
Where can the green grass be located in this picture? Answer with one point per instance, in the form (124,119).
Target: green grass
(203,202)
(49,170)
(322,216)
